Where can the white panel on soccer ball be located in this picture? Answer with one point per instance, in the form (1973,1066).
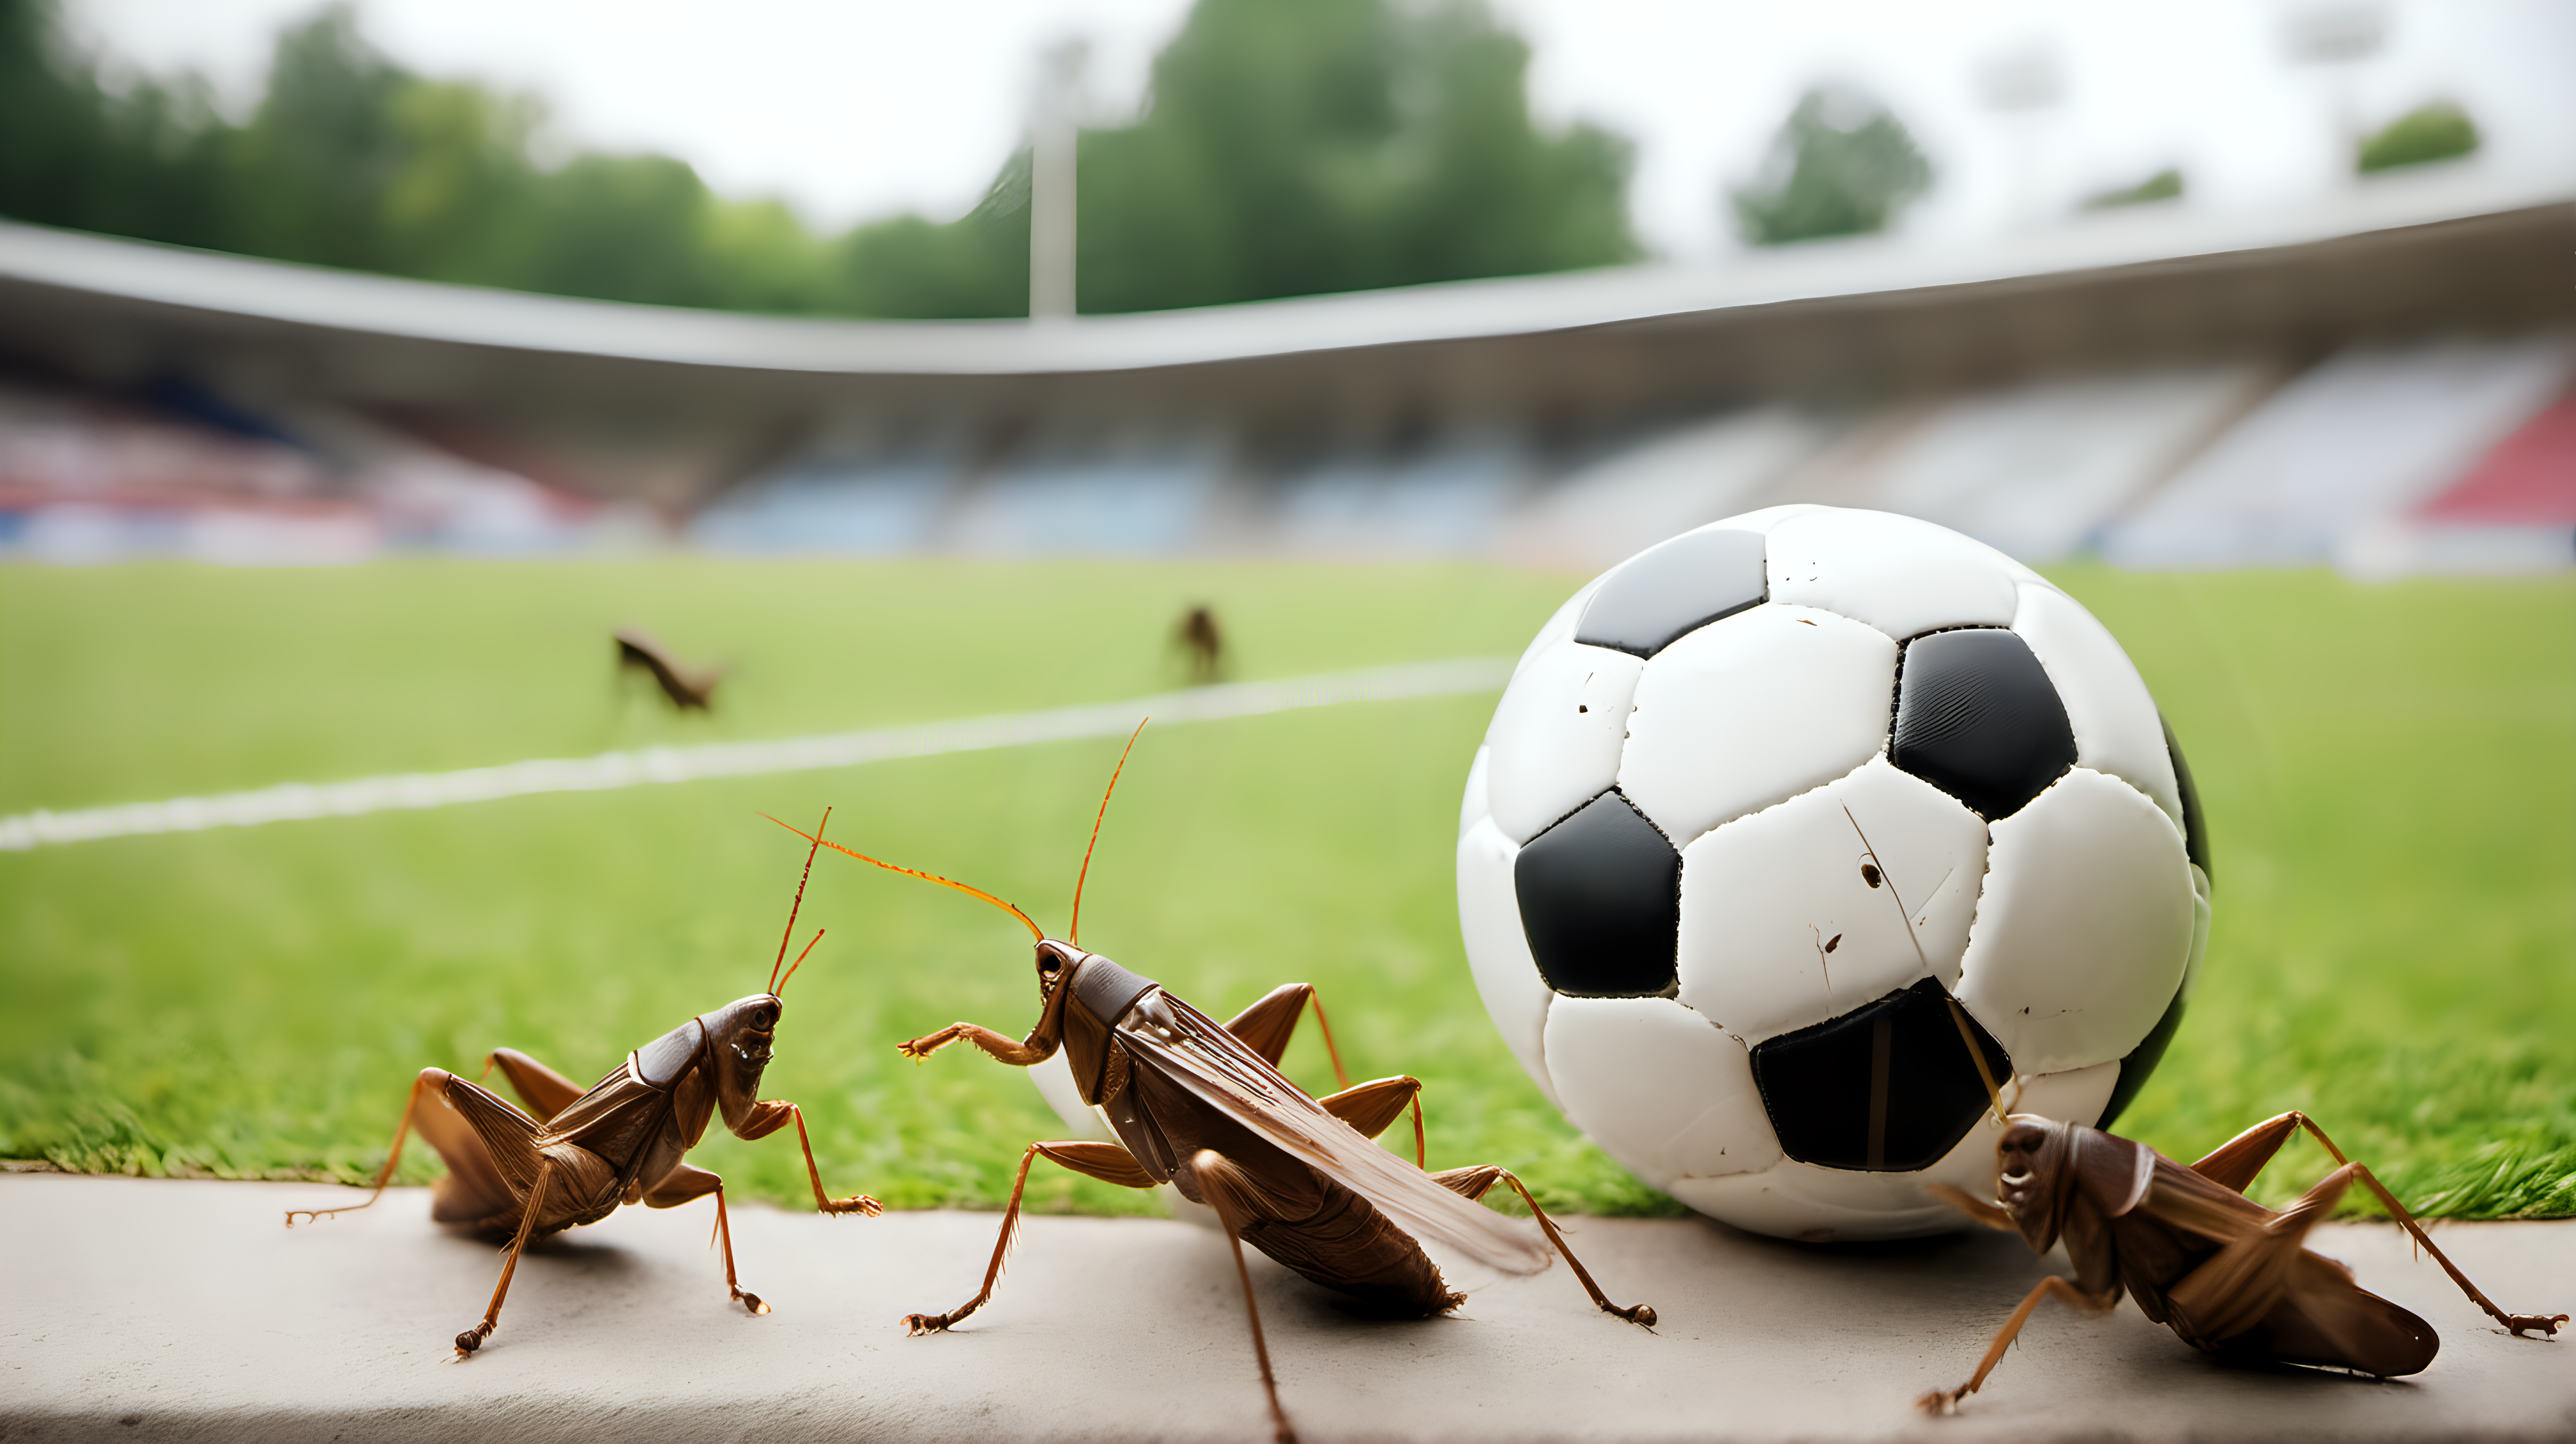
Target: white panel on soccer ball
(1560,625)
(2077,1095)
(1780,927)
(1507,977)
(2117,729)
(1658,1087)
(2085,927)
(2199,930)
(1751,711)
(1900,575)
(1556,736)
(1820,1205)
(1765,518)
(1474,804)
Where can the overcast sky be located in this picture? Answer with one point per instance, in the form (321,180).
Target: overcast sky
(857,108)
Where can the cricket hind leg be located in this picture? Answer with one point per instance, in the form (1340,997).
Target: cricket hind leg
(1267,1025)
(472,1187)
(685,1184)
(2547,1324)
(1107,1162)
(1944,1401)
(2237,1161)
(1231,1192)
(1374,1106)
(545,1091)
(472,1339)
(1474,1183)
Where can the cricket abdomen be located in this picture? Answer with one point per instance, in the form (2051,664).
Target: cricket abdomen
(1348,1246)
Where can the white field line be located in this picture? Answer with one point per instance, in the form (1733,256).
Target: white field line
(651,766)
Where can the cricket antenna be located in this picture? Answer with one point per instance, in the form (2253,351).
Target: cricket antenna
(1958,1015)
(815,837)
(1073,933)
(800,962)
(1034,930)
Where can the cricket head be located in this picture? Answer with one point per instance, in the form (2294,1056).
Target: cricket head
(741,1037)
(1081,995)
(2067,1178)
(2032,1173)
(1085,995)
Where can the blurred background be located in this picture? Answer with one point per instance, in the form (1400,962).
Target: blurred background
(2239,283)
(361,367)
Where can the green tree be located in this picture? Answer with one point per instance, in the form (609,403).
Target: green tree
(1290,147)
(2164,185)
(976,266)
(72,153)
(1841,166)
(307,179)
(2440,131)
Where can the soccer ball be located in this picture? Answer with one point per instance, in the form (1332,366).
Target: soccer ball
(1761,800)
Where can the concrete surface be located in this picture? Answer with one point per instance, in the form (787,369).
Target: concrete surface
(144,1310)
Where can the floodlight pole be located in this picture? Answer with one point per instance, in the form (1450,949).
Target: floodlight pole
(2336,38)
(1051,182)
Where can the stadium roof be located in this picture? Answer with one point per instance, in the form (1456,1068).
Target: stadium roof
(219,285)
(665,402)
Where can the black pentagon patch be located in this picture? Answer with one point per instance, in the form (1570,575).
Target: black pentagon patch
(1977,717)
(1885,1088)
(1601,902)
(2142,1061)
(1675,587)
(2195,823)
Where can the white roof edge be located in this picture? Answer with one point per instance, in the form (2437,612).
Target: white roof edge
(467,315)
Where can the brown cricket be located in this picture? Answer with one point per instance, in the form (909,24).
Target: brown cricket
(2229,1276)
(1198,635)
(688,688)
(1203,1106)
(572,1157)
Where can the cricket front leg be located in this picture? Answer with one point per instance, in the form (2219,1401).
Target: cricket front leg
(472,1339)
(1473,1183)
(1946,1401)
(1104,1161)
(2517,1324)
(685,1184)
(770,1115)
(1017,1054)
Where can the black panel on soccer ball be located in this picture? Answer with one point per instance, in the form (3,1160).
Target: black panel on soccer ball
(2195,823)
(2142,1061)
(1600,896)
(1673,588)
(1886,1088)
(1977,717)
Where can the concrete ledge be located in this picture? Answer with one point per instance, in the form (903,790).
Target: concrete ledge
(143,1310)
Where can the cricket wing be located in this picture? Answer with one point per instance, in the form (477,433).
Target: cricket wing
(1197,1052)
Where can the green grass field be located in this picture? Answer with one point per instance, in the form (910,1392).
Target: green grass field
(2388,772)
